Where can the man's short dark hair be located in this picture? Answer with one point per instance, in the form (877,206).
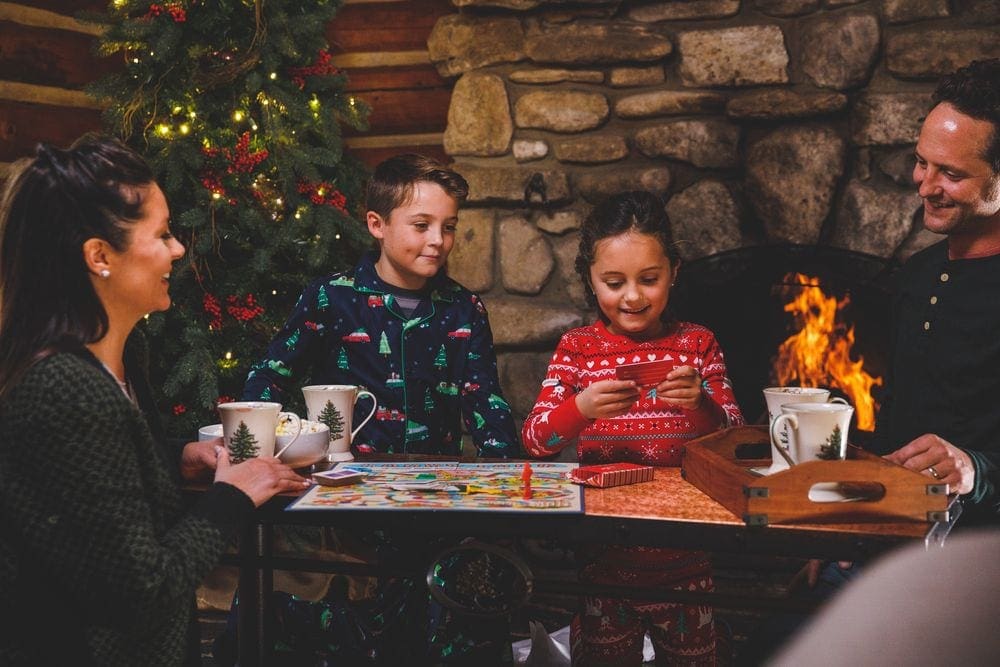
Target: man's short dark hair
(975,91)
(391,186)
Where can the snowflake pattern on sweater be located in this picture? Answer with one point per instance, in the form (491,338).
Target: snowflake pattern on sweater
(652,432)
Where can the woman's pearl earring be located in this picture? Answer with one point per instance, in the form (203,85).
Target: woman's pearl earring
(105,274)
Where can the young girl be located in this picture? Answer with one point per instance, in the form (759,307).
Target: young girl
(628,263)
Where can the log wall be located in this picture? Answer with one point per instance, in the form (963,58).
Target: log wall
(47,57)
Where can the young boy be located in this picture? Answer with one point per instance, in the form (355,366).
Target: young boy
(397,325)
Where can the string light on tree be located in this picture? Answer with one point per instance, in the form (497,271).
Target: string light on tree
(228,362)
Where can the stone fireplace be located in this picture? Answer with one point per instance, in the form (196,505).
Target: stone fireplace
(779,133)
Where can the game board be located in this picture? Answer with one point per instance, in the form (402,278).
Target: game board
(452,486)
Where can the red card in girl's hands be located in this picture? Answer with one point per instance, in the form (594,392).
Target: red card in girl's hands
(645,373)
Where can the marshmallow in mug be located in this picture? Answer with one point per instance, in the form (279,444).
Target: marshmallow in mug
(816,431)
(249,428)
(775,397)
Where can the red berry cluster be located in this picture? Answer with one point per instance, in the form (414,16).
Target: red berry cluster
(246,311)
(176,12)
(223,399)
(241,159)
(330,196)
(321,67)
(180,409)
(213,183)
(211,306)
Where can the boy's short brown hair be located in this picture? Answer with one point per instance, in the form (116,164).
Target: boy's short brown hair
(391,185)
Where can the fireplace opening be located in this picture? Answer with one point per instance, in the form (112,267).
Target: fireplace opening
(743,296)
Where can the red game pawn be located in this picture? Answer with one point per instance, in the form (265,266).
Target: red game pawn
(526,479)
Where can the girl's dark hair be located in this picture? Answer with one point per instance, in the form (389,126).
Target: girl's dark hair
(640,212)
(391,185)
(52,203)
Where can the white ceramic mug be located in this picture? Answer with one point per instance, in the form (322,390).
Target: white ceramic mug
(248,428)
(775,397)
(333,405)
(817,431)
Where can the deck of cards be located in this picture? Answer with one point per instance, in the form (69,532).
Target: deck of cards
(339,477)
(646,373)
(611,474)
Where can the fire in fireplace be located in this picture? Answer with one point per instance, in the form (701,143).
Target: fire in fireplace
(746,297)
(821,351)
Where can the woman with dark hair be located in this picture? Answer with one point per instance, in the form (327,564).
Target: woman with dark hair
(99,560)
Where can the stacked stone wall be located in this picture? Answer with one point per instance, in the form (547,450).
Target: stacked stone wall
(758,122)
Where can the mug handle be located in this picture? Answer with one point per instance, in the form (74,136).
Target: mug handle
(781,419)
(290,416)
(364,392)
(838,399)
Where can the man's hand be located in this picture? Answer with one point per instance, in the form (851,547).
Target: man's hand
(936,457)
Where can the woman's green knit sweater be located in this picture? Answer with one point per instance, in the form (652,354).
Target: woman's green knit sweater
(99,559)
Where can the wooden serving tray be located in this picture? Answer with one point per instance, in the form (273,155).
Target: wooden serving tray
(865,487)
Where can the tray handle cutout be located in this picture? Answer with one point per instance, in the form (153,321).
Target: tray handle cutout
(846,492)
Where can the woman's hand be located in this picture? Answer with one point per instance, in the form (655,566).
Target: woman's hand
(607,398)
(682,388)
(261,478)
(198,459)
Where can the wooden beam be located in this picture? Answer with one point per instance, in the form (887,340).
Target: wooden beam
(393,26)
(381,59)
(47,57)
(50,95)
(42,18)
(396,140)
(417,77)
(405,111)
(22,125)
(372,156)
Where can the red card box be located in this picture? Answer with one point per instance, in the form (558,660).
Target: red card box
(645,373)
(611,474)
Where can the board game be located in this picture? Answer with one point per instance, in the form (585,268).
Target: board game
(496,487)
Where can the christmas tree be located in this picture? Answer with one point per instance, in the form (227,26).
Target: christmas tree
(331,416)
(239,110)
(831,450)
(242,445)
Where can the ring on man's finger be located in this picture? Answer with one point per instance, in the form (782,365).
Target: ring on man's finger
(933,472)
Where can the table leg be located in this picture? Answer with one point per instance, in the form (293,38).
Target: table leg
(256,584)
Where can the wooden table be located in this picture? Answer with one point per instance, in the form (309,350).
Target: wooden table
(667,512)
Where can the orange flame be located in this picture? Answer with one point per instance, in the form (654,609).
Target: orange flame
(819,355)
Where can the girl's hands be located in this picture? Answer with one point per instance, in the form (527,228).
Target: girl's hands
(607,398)
(682,388)
(261,478)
